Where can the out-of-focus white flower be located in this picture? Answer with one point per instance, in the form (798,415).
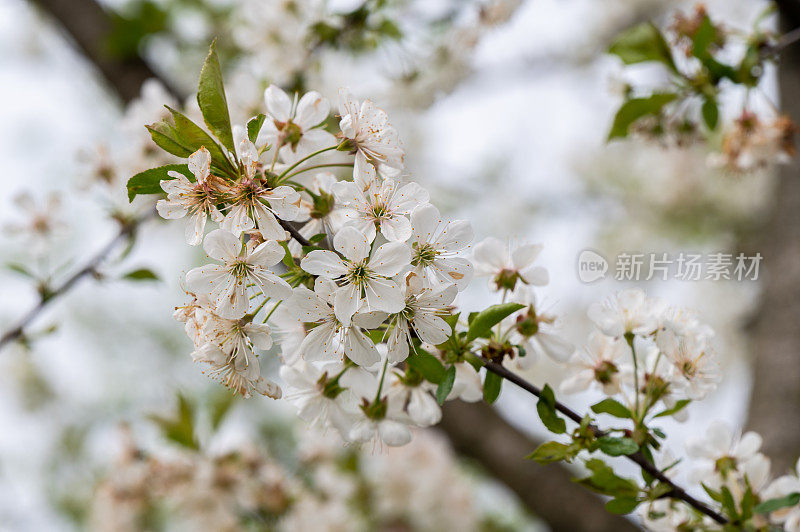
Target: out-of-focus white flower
(725,458)
(228,349)
(252,199)
(38,221)
(422,314)
(506,265)
(467,385)
(413,400)
(434,247)
(198,199)
(363,278)
(383,207)
(319,399)
(782,486)
(536,331)
(695,367)
(752,144)
(377,420)
(374,139)
(294,126)
(628,311)
(227,285)
(600,362)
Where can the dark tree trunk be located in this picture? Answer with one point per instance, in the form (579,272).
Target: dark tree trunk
(775,401)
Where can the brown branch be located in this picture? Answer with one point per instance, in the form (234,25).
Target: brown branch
(676,491)
(89,27)
(124,235)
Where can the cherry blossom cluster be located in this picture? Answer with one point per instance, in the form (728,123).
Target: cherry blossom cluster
(244,486)
(353,283)
(703,60)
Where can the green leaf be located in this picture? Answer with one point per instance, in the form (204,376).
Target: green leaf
(549,452)
(642,43)
(149,181)
(254,126)
(481,325)
(193,137)
(427,365)
(212,100)
(221,404)
(604,480)
(142,274)
(546,407)
(636,108)
(319,237)
(771,505)
(613,446)
(613,407)
(181,428)
(622,505)
(704,37)
(491,386)
(166,137)
(679,405)
(710,113)
(446,384)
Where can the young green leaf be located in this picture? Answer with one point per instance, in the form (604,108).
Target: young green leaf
(491,387)
(613,407)
(180,429)
(142,274)
(636,108)
(481,325)
(604,480)
(546,407)
(613,446)
(710,113)
(149,181)
(549,452)
(622,505)
(642,43)
(212,100)
(193,137)
(427,365)
(772,505)
(166,137)
(679,405)
(254,126)
(446,384)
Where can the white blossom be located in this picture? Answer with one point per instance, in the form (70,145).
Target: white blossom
(198,199)
(363,277)
(434,246)
(505,265)
(294,126)
(226,285)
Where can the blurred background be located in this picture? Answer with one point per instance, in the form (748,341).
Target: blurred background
(504,107)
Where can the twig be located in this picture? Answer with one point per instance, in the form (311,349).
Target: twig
(124,234)
(638,458)
(294,232)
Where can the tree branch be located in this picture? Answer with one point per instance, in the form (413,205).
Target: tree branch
(124,235)
(89,27)
(676,491)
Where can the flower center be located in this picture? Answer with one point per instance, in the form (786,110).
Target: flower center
(359,273)
(506,279)
(424,254)
(604,372)
(239,269)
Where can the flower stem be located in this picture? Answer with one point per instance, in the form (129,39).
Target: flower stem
(304,159)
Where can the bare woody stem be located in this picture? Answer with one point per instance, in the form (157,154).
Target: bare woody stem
(676,492)
(124,235)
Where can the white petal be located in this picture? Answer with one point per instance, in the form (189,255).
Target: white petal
(384,294)
(324,263)
(352,244)
(394,433)
(279,105)
(346,302)
(360,349)
(312,109)
(524,255)
(390,259)
(170,210)
(222,245)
